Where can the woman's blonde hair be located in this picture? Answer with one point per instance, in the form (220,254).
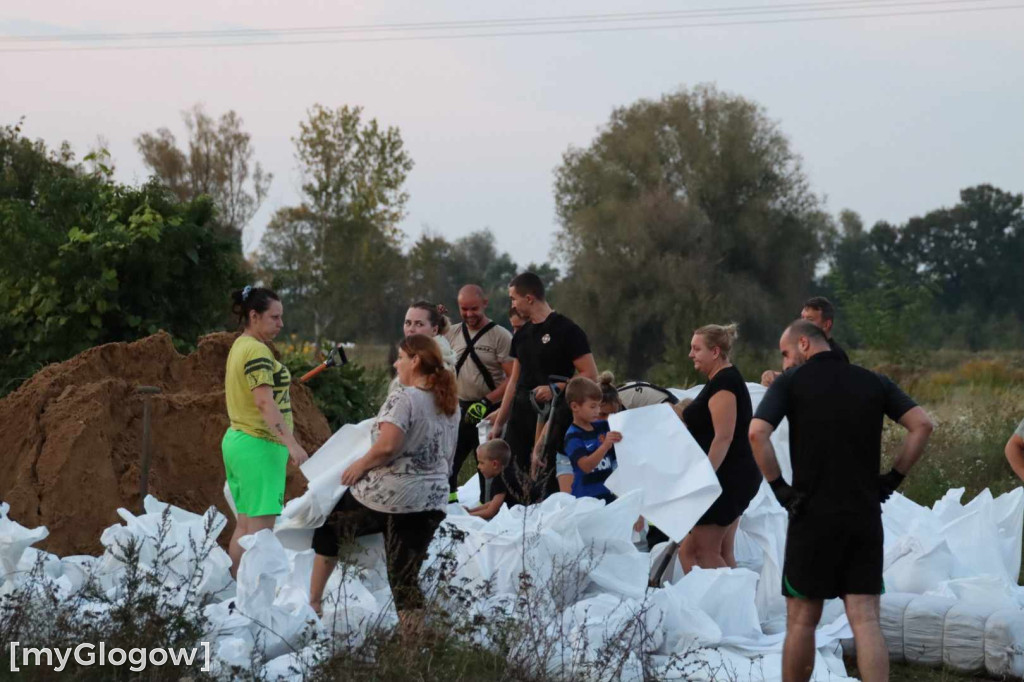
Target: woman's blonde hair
(719,336)
(440,381)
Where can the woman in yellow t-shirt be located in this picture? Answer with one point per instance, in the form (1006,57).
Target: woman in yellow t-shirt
(260,440)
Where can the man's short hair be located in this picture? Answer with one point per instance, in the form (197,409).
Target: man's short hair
(807,329)
(528,284)
(581,389)
(823,306)
(496,449)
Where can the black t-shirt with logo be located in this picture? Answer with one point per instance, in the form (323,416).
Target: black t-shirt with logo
(548,348)
(835,412)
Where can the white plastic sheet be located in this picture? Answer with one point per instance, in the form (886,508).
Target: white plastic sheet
(659,457)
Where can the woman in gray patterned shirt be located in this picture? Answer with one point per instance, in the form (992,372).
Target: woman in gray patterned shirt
(400,486)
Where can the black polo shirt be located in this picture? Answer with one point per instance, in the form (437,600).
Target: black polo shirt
(838,350)
(550,347)
(835,413)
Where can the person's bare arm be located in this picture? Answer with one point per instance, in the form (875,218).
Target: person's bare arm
(389,443)
(263,395)
(586,366)
(490,510)
(723,416)
(1015,455)
(506,402)
(499,391)
(764,452)
(589,462)
(919,428)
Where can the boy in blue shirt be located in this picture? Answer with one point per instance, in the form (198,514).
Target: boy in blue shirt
(589,443)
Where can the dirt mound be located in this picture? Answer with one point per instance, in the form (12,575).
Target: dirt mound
(72,437)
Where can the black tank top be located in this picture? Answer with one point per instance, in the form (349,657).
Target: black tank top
(697,417)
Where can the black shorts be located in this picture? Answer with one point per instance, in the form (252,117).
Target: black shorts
(830,556)
(740,481)
(406,539)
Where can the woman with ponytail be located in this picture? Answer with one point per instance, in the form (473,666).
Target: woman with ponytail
(260,439)
(400,486)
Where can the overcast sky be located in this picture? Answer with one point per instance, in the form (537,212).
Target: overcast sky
(892,115)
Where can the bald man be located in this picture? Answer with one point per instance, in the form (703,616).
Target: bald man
(482,369)
(834,542)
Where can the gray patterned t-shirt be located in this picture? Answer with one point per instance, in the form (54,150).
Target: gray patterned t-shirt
(1020,429)
(416,479)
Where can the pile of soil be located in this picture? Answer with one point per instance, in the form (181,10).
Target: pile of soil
(72,437)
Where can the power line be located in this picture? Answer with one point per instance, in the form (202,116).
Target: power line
(785,8)
(502,34)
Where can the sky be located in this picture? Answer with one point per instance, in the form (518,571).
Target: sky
(891,115)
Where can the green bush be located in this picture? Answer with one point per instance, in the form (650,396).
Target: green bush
(345,395)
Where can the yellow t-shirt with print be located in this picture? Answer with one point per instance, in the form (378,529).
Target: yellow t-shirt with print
(251,364)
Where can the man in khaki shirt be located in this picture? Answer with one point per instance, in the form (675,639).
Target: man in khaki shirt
(482,368)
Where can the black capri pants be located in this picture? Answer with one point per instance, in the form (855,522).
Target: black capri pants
(406,539)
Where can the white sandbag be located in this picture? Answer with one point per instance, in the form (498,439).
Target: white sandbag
(727,596)
(765,523)
(685,625)
(659,457)
(294,666)
(14,540)
(893,609)
(963,637)
(323,485)
(923,629)
(916,564)
(189,535)
(273,592)
(1004,644)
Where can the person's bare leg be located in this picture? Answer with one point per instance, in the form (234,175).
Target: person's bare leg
(253,524)
(687,553)
(708,545)
(323,566)
(802,616)
(729,544)
(862,610)
(234,549)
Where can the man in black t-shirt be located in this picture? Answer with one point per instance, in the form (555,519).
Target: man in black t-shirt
(834,540)
(548,344)
(820,312)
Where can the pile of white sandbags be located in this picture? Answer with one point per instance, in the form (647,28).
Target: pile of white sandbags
(951,571)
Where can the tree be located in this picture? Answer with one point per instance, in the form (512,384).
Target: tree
(961,261)
(346,227)
(686,210)
(90,261)
(438,269)
(218,162)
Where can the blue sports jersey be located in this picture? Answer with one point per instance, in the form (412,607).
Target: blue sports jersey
(580,443)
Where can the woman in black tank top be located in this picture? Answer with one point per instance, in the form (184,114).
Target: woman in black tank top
(719,419)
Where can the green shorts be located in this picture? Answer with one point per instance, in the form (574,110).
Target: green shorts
(255,470)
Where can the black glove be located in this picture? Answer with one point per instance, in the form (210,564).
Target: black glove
(887,484)
(790,499)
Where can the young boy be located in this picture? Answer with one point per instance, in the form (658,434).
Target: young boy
(491,459)
(589,444)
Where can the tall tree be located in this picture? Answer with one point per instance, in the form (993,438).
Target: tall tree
(217,161)
(346,227)
(685,210)
(90,261)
